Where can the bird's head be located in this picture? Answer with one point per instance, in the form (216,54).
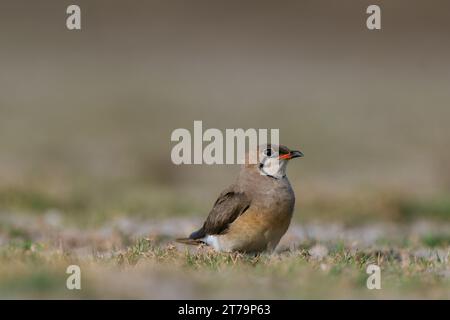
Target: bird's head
(271,159)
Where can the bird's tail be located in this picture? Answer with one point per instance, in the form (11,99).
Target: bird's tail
(194,242)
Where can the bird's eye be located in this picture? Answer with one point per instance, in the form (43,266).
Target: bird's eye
(268,152)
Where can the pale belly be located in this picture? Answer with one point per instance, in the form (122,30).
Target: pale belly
(253,232)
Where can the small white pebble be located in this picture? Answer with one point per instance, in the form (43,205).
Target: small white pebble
(318,252)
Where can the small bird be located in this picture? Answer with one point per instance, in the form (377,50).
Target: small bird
(254,213)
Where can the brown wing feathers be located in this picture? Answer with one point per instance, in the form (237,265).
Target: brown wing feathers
(230,205)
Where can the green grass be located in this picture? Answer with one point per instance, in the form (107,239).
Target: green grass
(434,207)
(436,240)
(116,263)
(93,205)
(149,269)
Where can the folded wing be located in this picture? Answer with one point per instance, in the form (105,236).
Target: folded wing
(230,205)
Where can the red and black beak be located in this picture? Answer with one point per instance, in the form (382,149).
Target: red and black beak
(291,155)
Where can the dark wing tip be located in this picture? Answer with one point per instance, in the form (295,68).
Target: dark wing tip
(197,234)
(189,241)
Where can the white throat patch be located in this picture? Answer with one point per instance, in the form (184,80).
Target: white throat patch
(273,167)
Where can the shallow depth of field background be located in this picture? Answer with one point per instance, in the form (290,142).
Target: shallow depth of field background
(85,124)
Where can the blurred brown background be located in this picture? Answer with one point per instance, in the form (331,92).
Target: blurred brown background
(91,112)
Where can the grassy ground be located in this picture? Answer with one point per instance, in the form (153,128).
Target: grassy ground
(148,269)
(125,254)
